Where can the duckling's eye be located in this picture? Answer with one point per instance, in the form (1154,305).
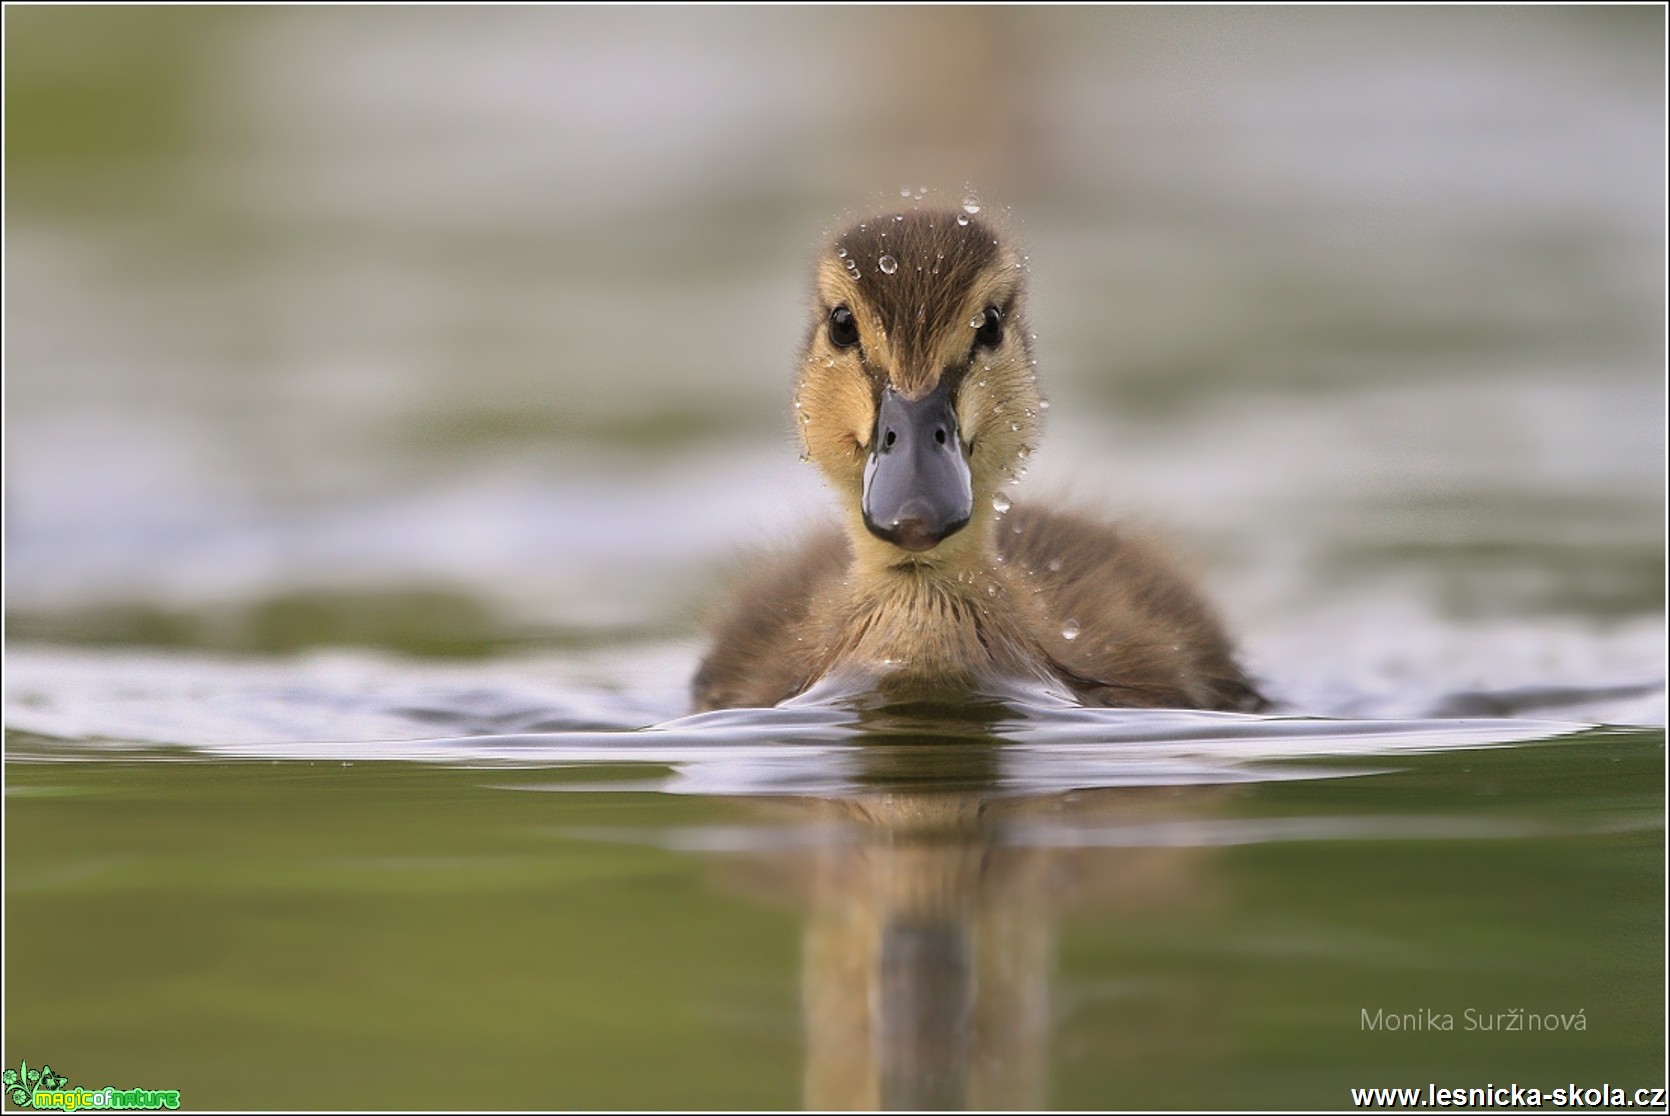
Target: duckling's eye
(843,329)
(990,332)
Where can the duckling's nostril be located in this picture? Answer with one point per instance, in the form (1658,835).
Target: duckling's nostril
(887,442)
(939,435)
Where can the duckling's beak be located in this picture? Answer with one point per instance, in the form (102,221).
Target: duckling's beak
(917,490)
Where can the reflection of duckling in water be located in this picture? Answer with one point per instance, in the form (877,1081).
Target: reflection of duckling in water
(932,916)
(916,397)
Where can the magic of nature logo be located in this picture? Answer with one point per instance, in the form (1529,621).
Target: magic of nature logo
(27,1087)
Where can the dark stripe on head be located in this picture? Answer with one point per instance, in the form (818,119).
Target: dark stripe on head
(917,268)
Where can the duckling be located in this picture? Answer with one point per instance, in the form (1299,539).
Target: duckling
(916,398)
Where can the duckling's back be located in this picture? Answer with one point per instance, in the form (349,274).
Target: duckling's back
(1121,622)
(759,655)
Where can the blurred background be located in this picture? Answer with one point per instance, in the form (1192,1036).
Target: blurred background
(468,331)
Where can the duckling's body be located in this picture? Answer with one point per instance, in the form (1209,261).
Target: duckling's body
(917,399)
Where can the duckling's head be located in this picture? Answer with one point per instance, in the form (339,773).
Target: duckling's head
(916,394)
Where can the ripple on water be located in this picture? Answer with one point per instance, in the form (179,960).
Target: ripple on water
(63,704)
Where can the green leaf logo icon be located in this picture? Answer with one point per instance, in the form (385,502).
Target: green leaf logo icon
(22,1083)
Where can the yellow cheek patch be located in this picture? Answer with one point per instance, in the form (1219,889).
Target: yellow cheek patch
(835,409)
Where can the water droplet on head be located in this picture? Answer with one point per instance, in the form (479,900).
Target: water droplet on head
(904,191)
(1015,427)
(971,204)
(898,217)
(842,252)
(1001,503)
(1043,404)
(1055,565)
(888,264)
(962,218)
(1070,630)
